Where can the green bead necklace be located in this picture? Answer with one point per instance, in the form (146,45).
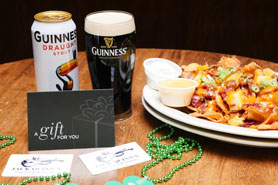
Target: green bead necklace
(173,151)
(11,140)
(66,179)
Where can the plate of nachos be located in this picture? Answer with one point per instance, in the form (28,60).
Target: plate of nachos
(229,98)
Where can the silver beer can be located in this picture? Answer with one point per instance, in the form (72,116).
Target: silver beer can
(54,42)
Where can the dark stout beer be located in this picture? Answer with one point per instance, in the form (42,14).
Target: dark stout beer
(110,48)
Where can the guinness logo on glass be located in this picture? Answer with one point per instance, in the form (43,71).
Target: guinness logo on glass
(108,42)
(109,50)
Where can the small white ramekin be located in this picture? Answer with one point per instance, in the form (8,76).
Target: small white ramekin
(177,97)
(157,69)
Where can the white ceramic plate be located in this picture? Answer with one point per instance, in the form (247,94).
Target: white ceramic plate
(241,140)
(153,99)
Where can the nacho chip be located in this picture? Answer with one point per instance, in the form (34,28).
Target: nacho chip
(236,121)
(273,126)
(221,103)
(190,67)
(257,113)
(228,62)
(212,116)
(268,72)
(251,68)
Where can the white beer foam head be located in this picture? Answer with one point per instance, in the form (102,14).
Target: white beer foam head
(109,23)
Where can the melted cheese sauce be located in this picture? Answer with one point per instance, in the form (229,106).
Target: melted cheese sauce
(177,83)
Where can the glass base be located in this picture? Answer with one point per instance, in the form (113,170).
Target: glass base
(123,116)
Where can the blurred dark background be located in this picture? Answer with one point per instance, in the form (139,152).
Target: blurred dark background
(241,27)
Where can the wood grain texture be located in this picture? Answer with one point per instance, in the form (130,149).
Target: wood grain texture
(221,164)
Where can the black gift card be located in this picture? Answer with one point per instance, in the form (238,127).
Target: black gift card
(71,119)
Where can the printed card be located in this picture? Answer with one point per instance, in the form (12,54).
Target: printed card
(114,158)
(31,165)
(71,119)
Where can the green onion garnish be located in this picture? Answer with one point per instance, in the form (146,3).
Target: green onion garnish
(273,82)
(255,88)
(208,80)
(223,73)
(262,86)
(245,80)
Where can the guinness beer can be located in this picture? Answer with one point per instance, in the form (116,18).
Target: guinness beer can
(54,42)
(110,48)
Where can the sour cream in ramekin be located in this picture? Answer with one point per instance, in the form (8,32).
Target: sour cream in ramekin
(157,69)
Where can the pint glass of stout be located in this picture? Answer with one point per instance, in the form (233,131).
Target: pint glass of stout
(110,49)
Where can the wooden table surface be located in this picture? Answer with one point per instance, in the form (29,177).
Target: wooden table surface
(221,164)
